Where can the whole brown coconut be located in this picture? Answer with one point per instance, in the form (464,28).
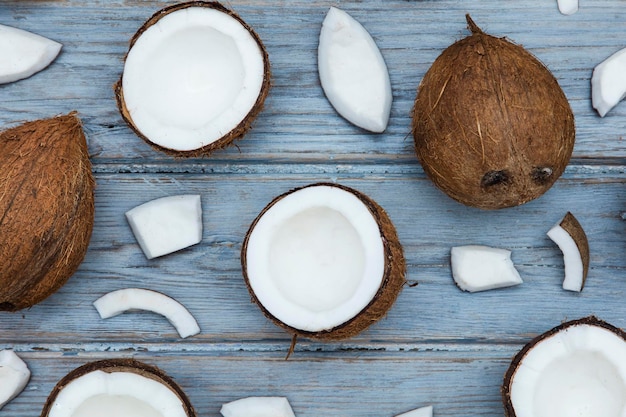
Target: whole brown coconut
(492,127)
(46,208)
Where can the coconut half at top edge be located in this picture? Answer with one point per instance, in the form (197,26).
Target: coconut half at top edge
(174,96)
(323,261)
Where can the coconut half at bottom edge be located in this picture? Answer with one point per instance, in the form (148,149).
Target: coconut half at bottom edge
(298,244)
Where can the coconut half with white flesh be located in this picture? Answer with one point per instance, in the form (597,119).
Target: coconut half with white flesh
(575,369)
(571,238)
(195,77)
(323,261)
(120,388)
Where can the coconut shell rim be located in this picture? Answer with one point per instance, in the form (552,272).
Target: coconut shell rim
(572,226)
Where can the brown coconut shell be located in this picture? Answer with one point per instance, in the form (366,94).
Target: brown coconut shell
(571,225)
(509,411)
(120,365)
(492,127)
(242,128)
(46,208)
(392,283)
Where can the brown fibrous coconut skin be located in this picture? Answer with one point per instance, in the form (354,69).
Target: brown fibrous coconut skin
(573,227)
(392,283)
(120,365)
(509,410)
(46,208)
(243,127)
(491,125)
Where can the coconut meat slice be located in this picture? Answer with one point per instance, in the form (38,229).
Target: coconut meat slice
(24,53)
(14,375)
(353,72)
(419,412)
(315,259)
(568,7)
(258,407)
(132,299)
(578,371)
(192,77)
(608,84)
(167,224)
(480,268)
(572,241)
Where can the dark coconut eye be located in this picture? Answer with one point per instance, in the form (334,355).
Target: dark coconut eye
(493,178)
(541,175)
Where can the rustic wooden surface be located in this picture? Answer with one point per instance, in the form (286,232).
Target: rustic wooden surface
(437,345)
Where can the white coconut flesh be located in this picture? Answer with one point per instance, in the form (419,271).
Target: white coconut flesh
(419,412)
(353,72)
(14,375)
(119,394)
(24,53)
(572,259)
(191,78)
(480,268)
(579,371)
(258,407)
(138,299)
(315,259)
(568,7)
(167,224)
(608,84)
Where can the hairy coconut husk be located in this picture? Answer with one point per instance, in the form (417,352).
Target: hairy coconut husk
(120,365)
(242,128)
(46,208)
(392,283)
(492,127)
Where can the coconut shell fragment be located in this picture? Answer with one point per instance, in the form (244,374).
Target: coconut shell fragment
(46,208)
(492,127)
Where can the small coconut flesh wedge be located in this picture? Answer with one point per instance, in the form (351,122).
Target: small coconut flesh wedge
(120,388)
(608,84)
(576,369)
(195,77)
(46,208)
(133,299)
(419,412)
(323,261)
(14,375)
(353,72)
(167,224)
(24,53)
(572,240)
(258,407)
(568,7)
(480,268)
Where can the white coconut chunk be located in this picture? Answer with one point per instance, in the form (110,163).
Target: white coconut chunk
(24,53)
(131,299)
(579,371)
(315,259)
(353,72)
(258,407)
(167,224)
(608,83)
(572,259)
(568,7)
(119,394)
(480,268)
(14,375)
(419,412)
(191,78)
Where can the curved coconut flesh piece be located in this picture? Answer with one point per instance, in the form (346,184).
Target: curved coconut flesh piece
(14,375)
(568,7)
(419,412)
(167,224)
(132,299)
(480,268)
(575,369)
(353,72)
(323,261)
(47,191)
(258,407)
(24,53)
(118,387)
(195,77)
(572,240)
(491,125)
(608,84)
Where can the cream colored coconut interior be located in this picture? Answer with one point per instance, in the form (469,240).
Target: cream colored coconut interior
(579,372)
(316,259)
(191,78)
(119,394)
